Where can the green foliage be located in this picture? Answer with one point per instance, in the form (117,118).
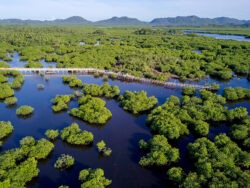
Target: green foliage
(72,81)
(237,93)
(175,174)
(63,186)
(103,149)
(103,90)
(163,120)
(20,174)
(159,152)
(219,158)
(74,135)
(17,82)
(38,149)
(52,134)
(241,132)
(3,79)
(137,102)
(6,91)
(4,65)
(93,178)
(208,95)
(5,129)
(40,86)
(34,65)
(10,101)
(92,110)
(188,91)
(64,162)
(61,102)
(24,110)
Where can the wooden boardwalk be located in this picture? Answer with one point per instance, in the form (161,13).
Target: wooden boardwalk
(56,71)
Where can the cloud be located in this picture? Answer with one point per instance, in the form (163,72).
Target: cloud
(142,9)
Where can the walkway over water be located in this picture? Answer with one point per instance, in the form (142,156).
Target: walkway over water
(56,71)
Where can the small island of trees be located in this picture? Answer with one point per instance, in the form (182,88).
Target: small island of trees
(24,110)
(10,101)
(233,94)
(92,110)
(137,102)
(74,135)
(61,102)
(103,90)
(64,162)
(5,129)
(93,178)
(103,149)
(52,134)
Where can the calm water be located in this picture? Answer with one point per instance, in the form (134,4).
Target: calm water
(121,133)
(15,62)
(220,36)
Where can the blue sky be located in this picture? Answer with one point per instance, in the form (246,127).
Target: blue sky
(142,9)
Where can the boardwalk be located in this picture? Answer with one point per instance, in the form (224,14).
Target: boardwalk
(103,72)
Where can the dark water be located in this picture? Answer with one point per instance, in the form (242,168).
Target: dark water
(121,133)
(219,36)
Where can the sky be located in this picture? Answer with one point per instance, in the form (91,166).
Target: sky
(144,10)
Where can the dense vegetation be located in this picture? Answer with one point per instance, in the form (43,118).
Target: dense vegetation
(241,132)
(218,164)
(64,161)
(52,134)
(159,152)
(10,101)
(74,135)
(61,102)
(173,118)
(19,166)
(5,129)
(93,178)
(92,110)
(137,102)
(103,90)
(24,110)
(157,54)
(72,81)
(233,94)
(188,91)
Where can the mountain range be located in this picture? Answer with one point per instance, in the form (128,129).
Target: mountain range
(179,20)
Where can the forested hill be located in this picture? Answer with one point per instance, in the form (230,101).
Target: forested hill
(195,20)
(180,20)
(121,21)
